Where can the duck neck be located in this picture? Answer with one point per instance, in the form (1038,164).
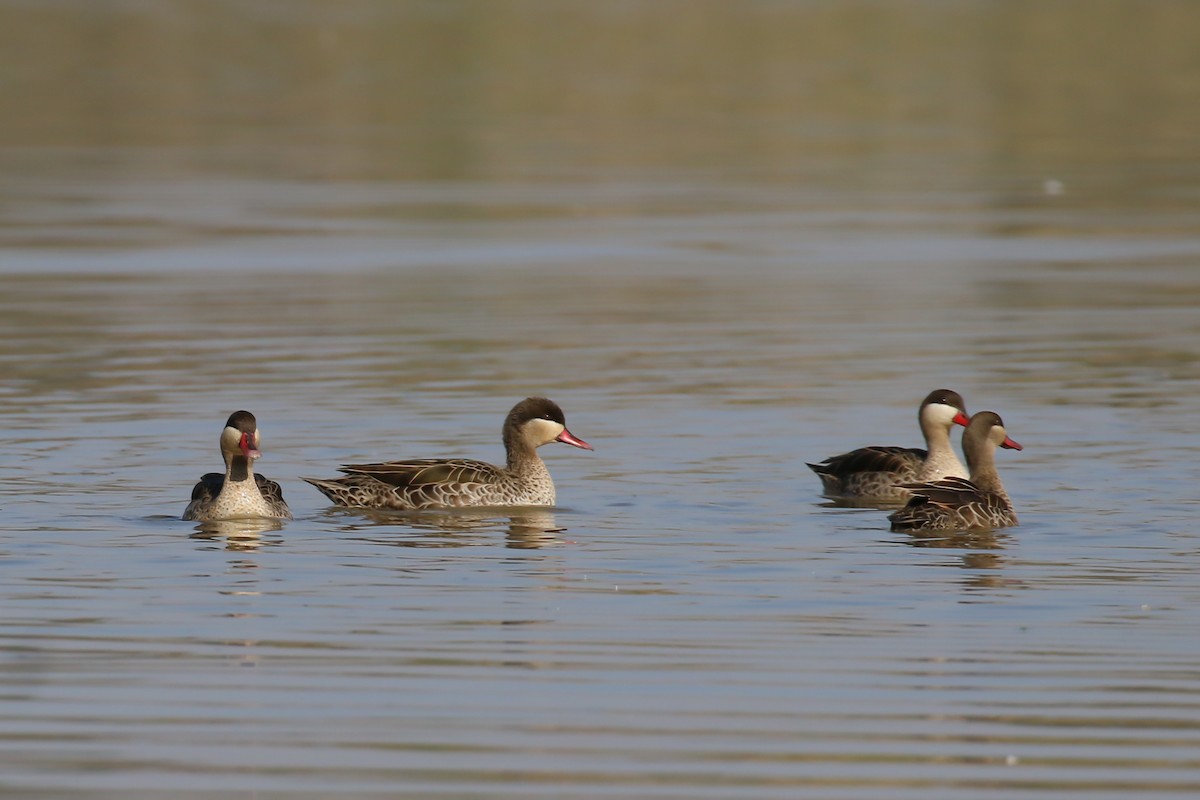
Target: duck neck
(239,469)
(521,456)
(937,439)
(524,460)
(981,462)
(941,459)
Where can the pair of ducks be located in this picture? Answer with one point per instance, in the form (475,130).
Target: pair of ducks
(400,485)
(941,495)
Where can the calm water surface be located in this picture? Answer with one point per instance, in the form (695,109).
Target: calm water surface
(716,285)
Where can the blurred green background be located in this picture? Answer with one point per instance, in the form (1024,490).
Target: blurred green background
(849,94)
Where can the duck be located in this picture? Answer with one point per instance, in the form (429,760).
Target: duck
(240,493)
(959,503)
(878,473)
(427,483)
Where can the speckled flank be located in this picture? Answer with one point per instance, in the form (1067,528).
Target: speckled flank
(870,472)
(239,500)
(875,484)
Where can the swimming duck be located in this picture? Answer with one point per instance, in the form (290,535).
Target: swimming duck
(455,482)
(239,493)
(960,504)
(876,473)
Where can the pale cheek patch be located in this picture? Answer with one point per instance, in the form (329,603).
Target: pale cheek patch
(230,438)
(940,413)
(541,431)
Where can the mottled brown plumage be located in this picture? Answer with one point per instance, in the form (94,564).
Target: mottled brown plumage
(960,504)
(456,482)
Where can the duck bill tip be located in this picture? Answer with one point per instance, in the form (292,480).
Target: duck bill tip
(566,437)
(1009,444)
(248,449)
(961,419)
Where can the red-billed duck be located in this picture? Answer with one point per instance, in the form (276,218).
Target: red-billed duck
(876,473)
(239,493)
(456,482)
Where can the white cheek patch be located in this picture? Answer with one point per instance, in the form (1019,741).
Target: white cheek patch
(940,413)
(230,439)
(541,431)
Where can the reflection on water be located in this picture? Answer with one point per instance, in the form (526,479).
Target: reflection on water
(728,239)
(524,527)
(694,612)
(239,534)
(972,539)
(986,566)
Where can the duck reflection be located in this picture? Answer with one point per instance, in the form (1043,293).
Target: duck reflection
(524,528)
(961,540)
(983,556)
(238,534)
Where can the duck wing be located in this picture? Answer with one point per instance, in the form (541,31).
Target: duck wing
(204,493)
(947,492)
(208,487)
(898,460)
(423,472)
(272,492)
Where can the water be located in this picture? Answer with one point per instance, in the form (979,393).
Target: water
(727,244)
